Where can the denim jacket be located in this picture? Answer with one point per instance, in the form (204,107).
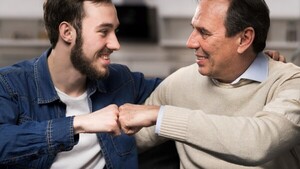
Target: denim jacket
(33,125)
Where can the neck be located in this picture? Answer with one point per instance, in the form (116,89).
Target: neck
(240,66)
(64,76)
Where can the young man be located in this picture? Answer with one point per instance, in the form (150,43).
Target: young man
(235,108)
(61,110)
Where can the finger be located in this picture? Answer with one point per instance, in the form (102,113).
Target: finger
(131,131)
(276,54)
(282,59)
(127,129)
(273,54)
(131,107)
(117,131)
(124,128)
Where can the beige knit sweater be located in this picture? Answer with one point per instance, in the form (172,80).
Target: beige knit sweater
(222,126)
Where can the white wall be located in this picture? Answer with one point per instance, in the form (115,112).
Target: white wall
(278,8)
(33,8)
(21,8)
(284,8)
(185,8)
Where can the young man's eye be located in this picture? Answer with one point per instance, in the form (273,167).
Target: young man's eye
(104,32)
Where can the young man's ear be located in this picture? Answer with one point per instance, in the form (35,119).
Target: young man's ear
(65,32)
(246,39)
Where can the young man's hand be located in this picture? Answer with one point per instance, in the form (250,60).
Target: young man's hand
(103,120)
(275,55)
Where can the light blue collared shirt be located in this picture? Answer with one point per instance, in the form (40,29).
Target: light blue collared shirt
(257,71)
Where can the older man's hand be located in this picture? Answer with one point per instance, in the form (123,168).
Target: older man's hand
(134,117)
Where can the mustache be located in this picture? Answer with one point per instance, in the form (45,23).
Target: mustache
(105,51)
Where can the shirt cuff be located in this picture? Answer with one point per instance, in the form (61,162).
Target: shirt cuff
(159,119)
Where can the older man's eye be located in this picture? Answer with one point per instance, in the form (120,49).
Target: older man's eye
(204,33)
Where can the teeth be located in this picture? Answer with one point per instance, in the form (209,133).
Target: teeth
(106,57)
(202,57)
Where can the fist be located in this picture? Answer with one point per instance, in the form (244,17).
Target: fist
(134,117)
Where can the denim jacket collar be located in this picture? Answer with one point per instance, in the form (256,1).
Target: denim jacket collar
(45,88)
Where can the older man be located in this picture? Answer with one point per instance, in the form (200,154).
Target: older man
(234,108)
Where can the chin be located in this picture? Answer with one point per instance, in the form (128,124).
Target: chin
(103,74)
(200,70)
(98,73)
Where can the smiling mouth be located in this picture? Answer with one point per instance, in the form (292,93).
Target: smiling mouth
(105,56)
(201,57)
(198,58)
(201,54)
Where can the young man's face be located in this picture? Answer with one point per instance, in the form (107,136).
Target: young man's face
(98,40)
(215,53)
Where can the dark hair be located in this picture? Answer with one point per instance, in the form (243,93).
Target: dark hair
(57,11)
(249,13)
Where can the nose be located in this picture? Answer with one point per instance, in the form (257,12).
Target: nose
(192,41)
(113,42)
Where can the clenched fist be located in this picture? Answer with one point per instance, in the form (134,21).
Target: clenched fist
(103,120)
(134,117)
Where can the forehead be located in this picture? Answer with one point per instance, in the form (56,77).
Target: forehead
(100,13)
(212,10)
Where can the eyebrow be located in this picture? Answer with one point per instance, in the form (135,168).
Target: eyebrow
(109,25)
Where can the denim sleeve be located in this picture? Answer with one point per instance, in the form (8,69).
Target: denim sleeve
(30,140)
(27,139)
(144,86)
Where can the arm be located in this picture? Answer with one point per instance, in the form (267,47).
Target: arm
(267,134)
(26,137)
(143,86)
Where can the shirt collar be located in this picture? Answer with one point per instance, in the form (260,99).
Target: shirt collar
(45,88)
(257,71)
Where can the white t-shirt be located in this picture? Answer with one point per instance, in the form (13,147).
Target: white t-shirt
(87,153)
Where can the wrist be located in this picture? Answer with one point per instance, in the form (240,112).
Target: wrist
(155,115)
(78,125)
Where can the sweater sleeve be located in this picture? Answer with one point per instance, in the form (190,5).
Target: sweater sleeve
(240,140)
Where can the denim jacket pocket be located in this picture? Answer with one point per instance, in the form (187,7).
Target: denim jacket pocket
(123,144)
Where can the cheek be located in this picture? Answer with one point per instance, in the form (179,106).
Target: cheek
(219,53)
(91,47)
(212,50)
(92,41)
(211,45)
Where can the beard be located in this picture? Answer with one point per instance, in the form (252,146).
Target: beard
(84,65)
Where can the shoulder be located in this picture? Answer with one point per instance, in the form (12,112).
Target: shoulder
(182,78)
(119,70)
(19,71)
(120,75)
(16,76)
(185,74)
(279,69)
